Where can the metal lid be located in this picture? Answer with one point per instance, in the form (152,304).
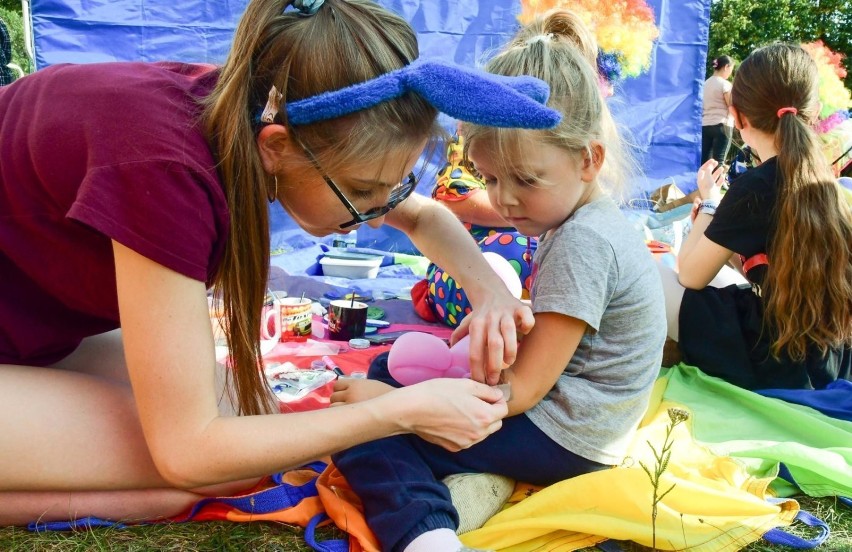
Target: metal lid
(358,343)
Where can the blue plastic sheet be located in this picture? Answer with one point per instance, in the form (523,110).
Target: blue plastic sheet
(662,108)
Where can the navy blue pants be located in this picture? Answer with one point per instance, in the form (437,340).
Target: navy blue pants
(398,478)
(715,141)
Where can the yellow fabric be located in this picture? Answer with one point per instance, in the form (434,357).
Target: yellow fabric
(714,505)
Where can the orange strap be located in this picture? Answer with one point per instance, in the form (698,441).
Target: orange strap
(756,260)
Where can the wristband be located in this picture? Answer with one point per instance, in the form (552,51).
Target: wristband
(708,207)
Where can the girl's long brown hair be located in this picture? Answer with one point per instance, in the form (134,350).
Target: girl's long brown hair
(808,288)
(345,42)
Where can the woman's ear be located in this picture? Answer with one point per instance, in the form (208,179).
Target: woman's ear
(273,143)
(593,159)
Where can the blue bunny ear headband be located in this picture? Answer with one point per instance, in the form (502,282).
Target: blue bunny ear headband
(466,94)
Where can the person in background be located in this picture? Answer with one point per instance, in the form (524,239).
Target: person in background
(583,376)
(787,225)
(716,122)
(128,189)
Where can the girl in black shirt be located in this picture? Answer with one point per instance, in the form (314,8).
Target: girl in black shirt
(788,225)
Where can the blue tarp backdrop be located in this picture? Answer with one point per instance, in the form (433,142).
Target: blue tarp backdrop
(662,108)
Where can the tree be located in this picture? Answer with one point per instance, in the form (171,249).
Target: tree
(739,26)
(11,13)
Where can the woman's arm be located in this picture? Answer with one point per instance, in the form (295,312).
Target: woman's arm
(497,315)
(542,357)
(475,208)
(170,357)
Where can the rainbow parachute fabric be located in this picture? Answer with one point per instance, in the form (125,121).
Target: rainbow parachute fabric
(624,29)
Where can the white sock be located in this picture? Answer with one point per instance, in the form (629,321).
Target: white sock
(436,540)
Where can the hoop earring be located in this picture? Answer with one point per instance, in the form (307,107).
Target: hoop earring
(274,195)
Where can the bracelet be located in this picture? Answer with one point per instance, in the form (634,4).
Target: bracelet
(708,207)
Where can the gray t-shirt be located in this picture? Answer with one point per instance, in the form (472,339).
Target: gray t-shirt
(596,268)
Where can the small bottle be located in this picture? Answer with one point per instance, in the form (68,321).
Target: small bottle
(343,241)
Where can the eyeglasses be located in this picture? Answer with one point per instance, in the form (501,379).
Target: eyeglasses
(399,194)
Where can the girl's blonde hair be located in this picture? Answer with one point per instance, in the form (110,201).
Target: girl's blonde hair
(558,48)
(808,288)
(345,42)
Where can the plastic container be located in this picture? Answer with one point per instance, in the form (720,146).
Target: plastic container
(362,267)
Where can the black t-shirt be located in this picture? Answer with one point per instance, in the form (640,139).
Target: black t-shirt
(745,220)
(722,330)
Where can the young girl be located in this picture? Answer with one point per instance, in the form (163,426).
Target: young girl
(438,297)
(791,230)
(583,375)
(126,189)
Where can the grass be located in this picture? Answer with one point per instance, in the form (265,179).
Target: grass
(275,537)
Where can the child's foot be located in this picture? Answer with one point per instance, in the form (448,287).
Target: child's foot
(477,497)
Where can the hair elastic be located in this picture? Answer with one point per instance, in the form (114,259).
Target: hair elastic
(545,37)
(307,8)
(781,112)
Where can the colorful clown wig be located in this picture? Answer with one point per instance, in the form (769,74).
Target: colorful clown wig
(833,95)
(624,29)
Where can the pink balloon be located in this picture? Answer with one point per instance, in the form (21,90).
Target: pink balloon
(506,272)
(416,357)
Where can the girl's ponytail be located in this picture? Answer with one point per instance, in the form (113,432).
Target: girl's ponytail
(559,49)
(810,275)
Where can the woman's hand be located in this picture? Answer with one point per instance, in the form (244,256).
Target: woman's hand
(711,176)
(452,413)
(493,328)
(497,316)
(353,390)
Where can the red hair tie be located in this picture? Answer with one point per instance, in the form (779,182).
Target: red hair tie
(784,110)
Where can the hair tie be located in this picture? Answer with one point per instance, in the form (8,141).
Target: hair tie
(545,37)
(784,110)
(307,8)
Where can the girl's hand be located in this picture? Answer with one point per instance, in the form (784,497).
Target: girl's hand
(711,176)
(493,329)
(353,390)
(694,213)
(452,413)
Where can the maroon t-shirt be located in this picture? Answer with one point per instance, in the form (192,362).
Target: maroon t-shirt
(89,154)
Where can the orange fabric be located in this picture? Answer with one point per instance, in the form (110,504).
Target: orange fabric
(335,498)
(300,514)
(345,509)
